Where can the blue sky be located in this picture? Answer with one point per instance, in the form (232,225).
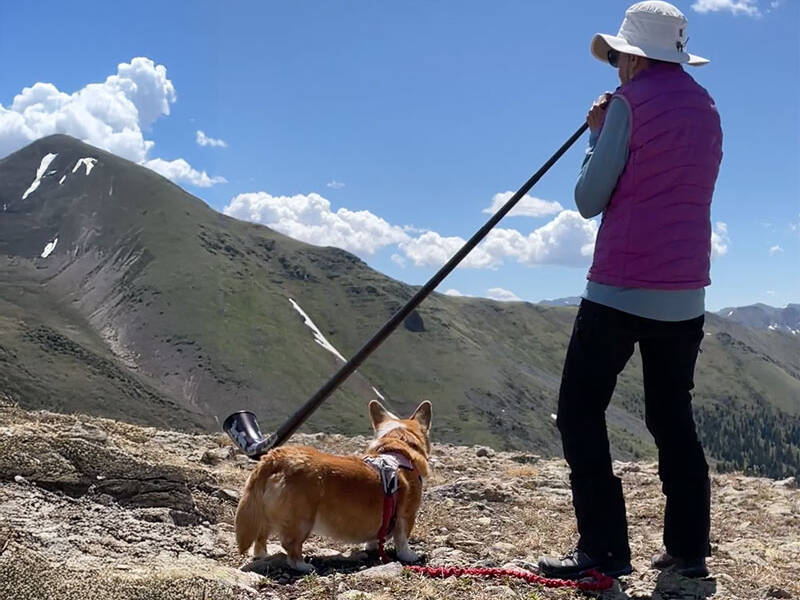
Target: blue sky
(390,128)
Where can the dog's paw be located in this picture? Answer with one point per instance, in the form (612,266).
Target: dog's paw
(407,555)
(300,565)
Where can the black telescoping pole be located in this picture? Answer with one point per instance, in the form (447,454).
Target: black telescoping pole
(298,418)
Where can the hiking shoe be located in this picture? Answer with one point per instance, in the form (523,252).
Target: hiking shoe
(576,562)
(688,567)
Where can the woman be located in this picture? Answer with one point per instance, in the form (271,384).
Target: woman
(653,158)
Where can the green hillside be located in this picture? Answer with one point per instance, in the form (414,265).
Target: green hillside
(155,308)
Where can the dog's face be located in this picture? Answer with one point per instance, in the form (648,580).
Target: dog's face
(414,430)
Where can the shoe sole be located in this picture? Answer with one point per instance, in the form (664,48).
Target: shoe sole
(613,573)
(693,573)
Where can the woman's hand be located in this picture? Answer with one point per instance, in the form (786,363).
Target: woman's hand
(597,113)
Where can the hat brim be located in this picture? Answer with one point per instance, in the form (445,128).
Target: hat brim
(603,42)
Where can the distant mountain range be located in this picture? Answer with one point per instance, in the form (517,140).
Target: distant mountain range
(569,301)
(762,316)
(122,295)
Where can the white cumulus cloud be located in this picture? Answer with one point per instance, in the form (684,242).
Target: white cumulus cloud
(203,140)
(111,115)
(567,239)
(310,219)
(775,249)
(528,206)
(719,240)
(433,250)
(502,295)
(180,170)
(744,7)
(453,292)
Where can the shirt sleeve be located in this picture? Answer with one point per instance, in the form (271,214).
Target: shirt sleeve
(605,160)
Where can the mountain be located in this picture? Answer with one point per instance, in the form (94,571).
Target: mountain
(568,301)
(100,509)
(121,295)
(762,316)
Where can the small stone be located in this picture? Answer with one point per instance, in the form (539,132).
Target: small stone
(354,595)
(500,591)
(502,547)
(214,456)
(228,494)
(483,451)
(87,432)
(775,592)
(626,467)
(486,563)
(514,566)
(485,521)
(447,557)
(20,479)
(789,483)
(392,569)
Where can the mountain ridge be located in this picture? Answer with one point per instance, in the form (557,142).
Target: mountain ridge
(764,316)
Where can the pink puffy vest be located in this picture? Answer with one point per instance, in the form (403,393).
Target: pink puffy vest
(656,229)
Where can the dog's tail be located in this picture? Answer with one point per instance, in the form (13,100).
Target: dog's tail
(250,522)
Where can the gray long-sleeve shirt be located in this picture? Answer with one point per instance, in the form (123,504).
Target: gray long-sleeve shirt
(604,162)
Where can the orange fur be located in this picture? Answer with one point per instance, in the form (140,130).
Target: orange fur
(295,491)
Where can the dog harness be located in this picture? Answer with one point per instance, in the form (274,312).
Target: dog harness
(387,465)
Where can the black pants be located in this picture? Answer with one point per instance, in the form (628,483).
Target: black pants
(602,342)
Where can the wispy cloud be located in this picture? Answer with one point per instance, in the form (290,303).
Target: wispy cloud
(737,7)
(334,185)
(180,170)
(719,240)
(528,206)
(775,250)
(503,295)
(203,140)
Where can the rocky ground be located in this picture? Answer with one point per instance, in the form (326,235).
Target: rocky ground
(94,508)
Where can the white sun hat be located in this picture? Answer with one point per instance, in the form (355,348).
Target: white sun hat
(652,29)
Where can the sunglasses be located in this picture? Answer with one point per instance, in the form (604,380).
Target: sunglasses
(613,58)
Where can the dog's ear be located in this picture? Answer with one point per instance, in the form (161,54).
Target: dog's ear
(377,413)
(423,415)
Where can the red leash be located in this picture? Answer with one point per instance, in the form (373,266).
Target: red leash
(387,524)
(599,581)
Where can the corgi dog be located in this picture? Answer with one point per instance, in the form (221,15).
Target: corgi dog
(295,491)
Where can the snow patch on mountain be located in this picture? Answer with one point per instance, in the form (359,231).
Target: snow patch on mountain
(88,162)
(318,337)
(48,249)
(46,160)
